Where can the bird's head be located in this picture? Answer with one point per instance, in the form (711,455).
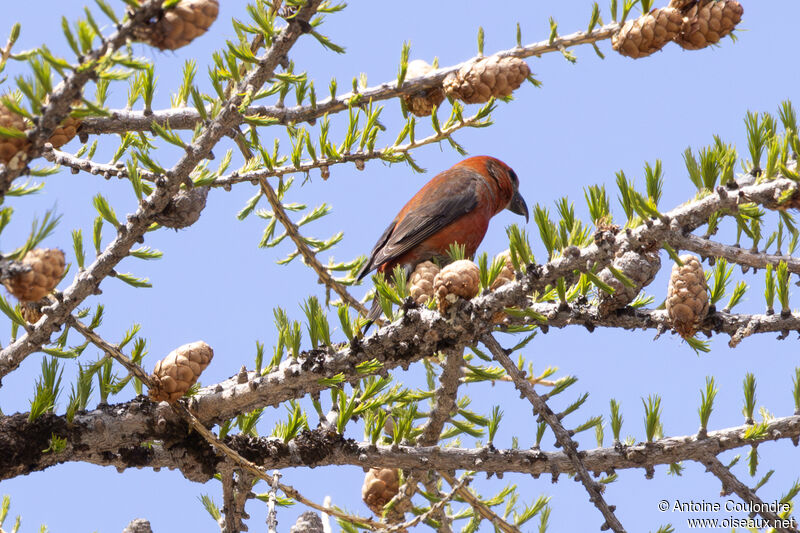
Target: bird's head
(503,182)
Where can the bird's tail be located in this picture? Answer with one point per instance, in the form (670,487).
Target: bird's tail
(374,312)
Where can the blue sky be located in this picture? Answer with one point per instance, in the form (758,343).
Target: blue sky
(586,122)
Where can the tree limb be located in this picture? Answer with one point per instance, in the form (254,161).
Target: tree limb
(563,437)
(113,436)
(731,482)
(187,118)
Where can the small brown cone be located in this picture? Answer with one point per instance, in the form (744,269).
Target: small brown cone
(506,275)
(458,279)
(640,268)
(65,132)
(708,21)
(183,209)
(179,370)
(180,25)
(475,83)
(420,284)
(687,296)
(380,486)
(421,103)
(13,150)
(388,426)
(46,268)
(647,34)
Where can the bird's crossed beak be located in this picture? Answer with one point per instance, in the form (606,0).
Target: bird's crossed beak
(517,205)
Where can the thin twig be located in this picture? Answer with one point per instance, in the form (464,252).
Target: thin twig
(435,508)
(352,157)
(272,513)
(563,437)
(363,522)
(445,403)
(292,230)
(259,473)
(731,482)
(120,171)
(112,350)
(4,55)
(484,510)
(309,257)
(733,254)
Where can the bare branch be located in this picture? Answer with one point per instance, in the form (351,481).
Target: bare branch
(113,436)
(563,437)
(738,326)
(436,508)
(484,510)
(111,350)
(230,520)
(309,257)
(107,170)
(732,483)
(446,395)
(272,513)
(733,254)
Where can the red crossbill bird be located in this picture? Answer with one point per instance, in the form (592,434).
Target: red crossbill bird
(453,208)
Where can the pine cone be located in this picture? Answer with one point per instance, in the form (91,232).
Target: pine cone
(708,21)
(640,268)
(475,83)
(687,296)
(13,151)
(180,25)
(681,4)
(507,275)
(388,426)
(421,103)
(460,278)
(184,208)
(65,132)
(30,312)
(420,284)
(380,486)
(179,370)
(647,34)
(47,267)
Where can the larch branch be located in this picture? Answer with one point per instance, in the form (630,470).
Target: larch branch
(563,437)
(187,118)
